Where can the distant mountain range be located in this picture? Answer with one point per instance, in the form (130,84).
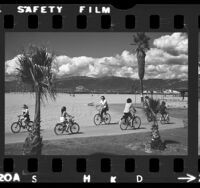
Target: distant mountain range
(105,84)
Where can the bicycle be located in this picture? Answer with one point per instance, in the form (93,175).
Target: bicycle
(67,126)
(164,119)
(97,117)
(149,115)
(132,121)
(18,125)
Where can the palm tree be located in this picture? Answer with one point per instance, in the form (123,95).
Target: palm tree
(35,70)
(141,41)
(153,108)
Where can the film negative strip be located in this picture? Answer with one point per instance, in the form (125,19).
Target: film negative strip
(94,93)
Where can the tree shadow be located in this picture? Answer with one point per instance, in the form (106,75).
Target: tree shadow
(68,133)
(170,142)
(142,128)
(170,123)
(75,133)
(23,131)
(114,123)
(130,128)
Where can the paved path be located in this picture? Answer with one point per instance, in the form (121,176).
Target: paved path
(93,131)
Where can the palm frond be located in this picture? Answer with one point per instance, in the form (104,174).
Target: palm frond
(154,105)
(35,69)
(141,40)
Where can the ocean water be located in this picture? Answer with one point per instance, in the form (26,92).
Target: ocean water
(76,105)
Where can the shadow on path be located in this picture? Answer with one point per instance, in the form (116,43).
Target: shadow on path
(171,142)
(68,133)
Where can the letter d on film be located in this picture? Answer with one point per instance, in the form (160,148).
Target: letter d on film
(139,178)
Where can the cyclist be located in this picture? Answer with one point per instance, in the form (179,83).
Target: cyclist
(146,105)
(128,109)
(146,102)
(65,115)
(104,105)
(163,109)
(25,114)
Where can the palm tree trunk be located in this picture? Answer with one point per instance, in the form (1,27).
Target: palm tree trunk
(33,143)
(37,112)
(156,142)
(141,84)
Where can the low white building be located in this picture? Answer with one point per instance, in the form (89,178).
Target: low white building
(80,89)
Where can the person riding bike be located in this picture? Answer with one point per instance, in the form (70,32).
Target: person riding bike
(128,109)
(104,106)
(65,115)
(146,104)
(25,114)
(163,109)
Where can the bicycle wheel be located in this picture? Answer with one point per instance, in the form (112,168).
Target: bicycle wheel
(15,127)
(29,126)
(107,118)
(59,129)
(97,119)
(123,125)
(75,128)
(136,122)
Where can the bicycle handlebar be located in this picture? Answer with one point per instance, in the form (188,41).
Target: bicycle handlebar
(98,107)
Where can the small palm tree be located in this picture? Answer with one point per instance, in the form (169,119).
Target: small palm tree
(141,41)
(35,70)
(153,108)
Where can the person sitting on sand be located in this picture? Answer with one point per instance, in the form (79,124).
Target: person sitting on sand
(104,105)
(163,109)
(25,114)
(128,109)
(65,115)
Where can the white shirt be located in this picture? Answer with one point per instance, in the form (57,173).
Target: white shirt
(127,107)
(103,103)
(25,111)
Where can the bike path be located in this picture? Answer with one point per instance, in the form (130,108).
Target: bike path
(94,131)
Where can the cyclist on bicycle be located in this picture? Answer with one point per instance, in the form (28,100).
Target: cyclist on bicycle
(163,109)
(129,109)
(25,114)
(65,115)
(146,105)
(146,102)
(104,106)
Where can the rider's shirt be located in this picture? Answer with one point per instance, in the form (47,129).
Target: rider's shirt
(128,107)
(104,103)
(65,115)
(163,109)
(25,112)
